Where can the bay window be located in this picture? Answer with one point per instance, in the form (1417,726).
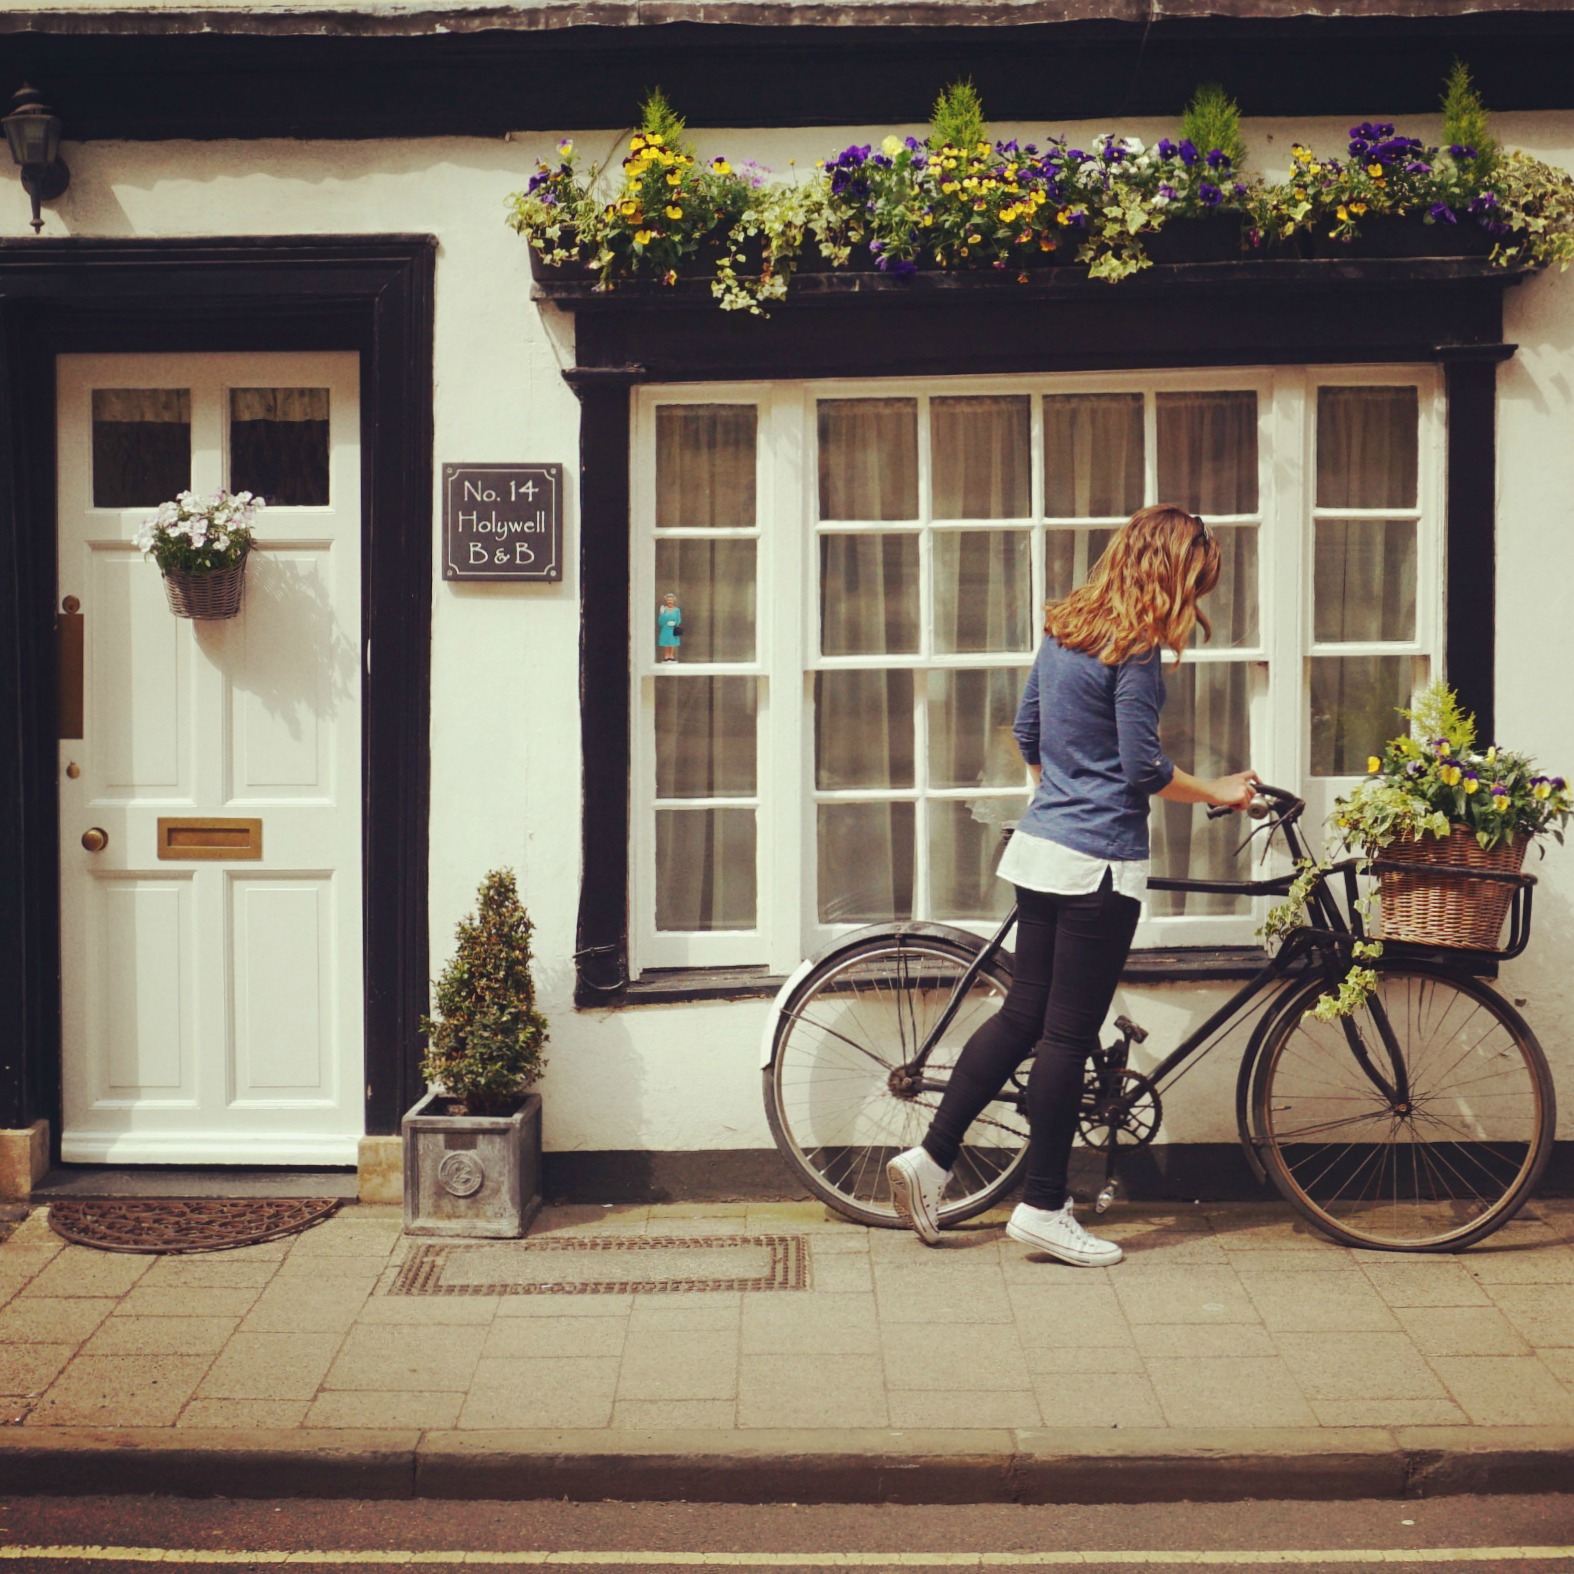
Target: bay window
(862,570)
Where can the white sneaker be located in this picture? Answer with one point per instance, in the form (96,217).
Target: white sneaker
(1057,1232)
(917,1184)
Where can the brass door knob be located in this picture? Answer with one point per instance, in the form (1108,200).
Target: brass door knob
(95,839)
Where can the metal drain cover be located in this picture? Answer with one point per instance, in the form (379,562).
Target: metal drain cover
(607,1265)
(183,1224)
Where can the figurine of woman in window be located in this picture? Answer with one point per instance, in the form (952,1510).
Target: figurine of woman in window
(669,627)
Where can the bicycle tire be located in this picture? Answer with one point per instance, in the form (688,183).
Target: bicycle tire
(1434,1171)
(857,1015)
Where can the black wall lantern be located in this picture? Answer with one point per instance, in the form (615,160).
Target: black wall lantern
(33,131)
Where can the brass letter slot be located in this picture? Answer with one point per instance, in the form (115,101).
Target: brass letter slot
(230,840)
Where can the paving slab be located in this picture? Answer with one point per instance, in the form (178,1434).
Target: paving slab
(1233,1353)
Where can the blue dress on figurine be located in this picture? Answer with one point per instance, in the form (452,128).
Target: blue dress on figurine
(668,621)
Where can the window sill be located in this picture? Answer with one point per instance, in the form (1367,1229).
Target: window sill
(684,985)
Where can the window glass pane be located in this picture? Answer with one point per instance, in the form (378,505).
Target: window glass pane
(868,458)
(713,582)
(980,454)
(1366,447)
(865,858)
(863,729)
(970,717)
(964,848)
(1353,704)
(983,590)
(1092,455)
(868,595)
(279,444)
(1208,452)
(705,466)
(1232,604)
(1068,556)
(1205,731)
(705,869)
(1364,580)
(705,737)
(141,446)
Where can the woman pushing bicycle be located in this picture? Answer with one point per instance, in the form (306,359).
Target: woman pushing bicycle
(1088,730)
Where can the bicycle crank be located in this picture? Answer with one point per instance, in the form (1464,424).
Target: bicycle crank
(1129,1116)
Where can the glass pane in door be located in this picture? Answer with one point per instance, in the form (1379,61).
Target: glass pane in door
(141,446)
(279,445)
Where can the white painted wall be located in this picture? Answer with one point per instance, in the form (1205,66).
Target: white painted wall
(505,744)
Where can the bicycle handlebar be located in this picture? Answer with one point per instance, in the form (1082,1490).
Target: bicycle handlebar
(1265,799)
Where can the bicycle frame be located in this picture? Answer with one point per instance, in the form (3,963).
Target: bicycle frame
(1327,940)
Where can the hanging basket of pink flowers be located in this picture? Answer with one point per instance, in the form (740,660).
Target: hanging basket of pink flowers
(200,542)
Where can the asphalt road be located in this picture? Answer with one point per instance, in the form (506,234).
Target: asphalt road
(112,1535)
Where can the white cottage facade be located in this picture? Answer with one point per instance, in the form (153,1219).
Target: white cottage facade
(333,316)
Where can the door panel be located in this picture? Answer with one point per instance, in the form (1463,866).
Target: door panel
(212,1008)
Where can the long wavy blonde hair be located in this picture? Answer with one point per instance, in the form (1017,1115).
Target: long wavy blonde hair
(1142,593)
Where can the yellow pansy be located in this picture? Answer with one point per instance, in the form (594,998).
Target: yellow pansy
(721,166)
(948,186)
(891,146)
(1343,212)
(1358,207)
(629,210)
(1472,785)
(1492,755)
(673,212)
(674,179)
(642,237)
(1375,171)
(636,143)
(1373,764)
(1451,775)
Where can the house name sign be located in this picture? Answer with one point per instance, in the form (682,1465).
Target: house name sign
(503,522)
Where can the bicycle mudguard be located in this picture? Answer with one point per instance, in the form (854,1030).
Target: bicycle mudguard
(1247,1071)
(920,928)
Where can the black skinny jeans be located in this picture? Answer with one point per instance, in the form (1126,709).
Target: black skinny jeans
(1069,956)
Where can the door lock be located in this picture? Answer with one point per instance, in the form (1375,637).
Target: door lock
(95,839)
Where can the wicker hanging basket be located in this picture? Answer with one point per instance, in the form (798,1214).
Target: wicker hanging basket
(213,594)
(1437,909)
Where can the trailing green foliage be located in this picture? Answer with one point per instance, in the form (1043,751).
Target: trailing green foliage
(1536,205)
(1213,120)
(1465,119)
(958,118)
(484,1045)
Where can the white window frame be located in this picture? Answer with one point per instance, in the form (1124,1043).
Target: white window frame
(787,655)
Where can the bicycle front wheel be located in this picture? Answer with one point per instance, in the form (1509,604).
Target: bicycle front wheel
(1420,1124)
(834,1096)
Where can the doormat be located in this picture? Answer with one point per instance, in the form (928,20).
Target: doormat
(169,1225)
(607,1265)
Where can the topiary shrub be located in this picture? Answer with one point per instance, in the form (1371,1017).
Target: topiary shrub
(484,1045)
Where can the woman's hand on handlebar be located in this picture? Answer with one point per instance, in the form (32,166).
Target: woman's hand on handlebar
(1232,792)
(1224,793)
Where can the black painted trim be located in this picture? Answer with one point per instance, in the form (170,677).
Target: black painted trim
(372,294)
(1416,311)
(116,78)
(1470,651)
(1167,1172)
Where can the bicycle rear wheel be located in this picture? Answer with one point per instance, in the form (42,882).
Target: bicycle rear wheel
(1432,1143)
(858,1016)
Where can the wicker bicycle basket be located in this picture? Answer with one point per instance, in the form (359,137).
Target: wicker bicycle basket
(215,593)
(1437,909)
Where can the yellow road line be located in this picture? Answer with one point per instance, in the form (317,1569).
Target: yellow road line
(789,1560)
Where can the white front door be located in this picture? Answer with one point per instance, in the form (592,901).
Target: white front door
(211,972)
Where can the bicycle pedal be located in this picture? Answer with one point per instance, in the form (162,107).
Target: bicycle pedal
(1137,1035)
(1106,1197)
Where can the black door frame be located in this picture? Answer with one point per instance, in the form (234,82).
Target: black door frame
(370,294)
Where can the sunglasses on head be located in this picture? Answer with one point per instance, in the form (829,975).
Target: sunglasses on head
(1202,538)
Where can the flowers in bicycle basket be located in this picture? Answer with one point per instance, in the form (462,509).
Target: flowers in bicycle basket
(1426,782)
(1435,777)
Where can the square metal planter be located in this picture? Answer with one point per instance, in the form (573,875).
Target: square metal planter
(475,1175)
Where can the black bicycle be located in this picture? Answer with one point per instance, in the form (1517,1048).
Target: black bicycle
(1419,1123)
